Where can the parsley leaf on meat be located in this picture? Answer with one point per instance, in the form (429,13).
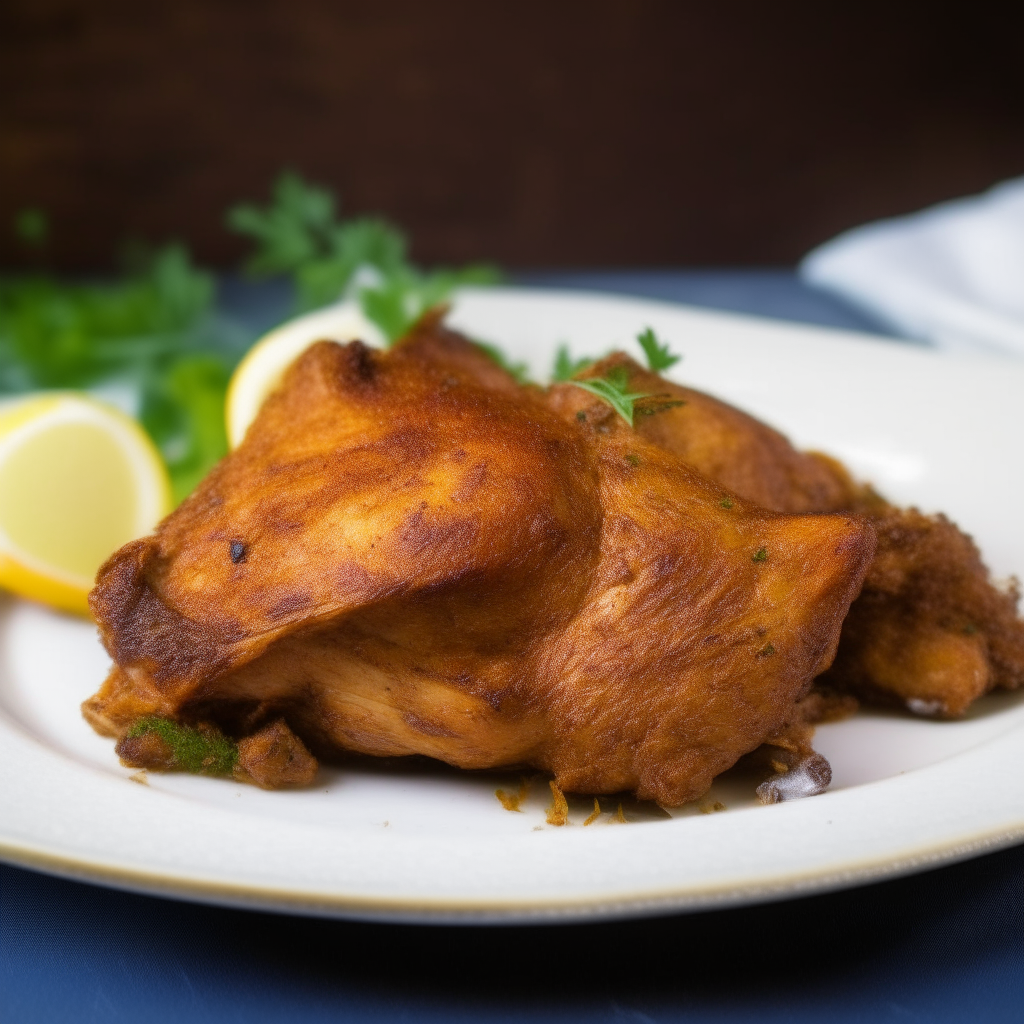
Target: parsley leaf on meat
(614,389)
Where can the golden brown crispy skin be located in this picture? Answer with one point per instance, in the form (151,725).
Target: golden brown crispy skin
(409,554)
(742,454)
(930,631)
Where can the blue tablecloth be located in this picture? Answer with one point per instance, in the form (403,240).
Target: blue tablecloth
(947,945)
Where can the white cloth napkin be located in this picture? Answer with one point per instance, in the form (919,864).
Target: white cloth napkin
(952,275)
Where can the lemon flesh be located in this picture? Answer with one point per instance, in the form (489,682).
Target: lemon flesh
(77,481)
(70,466)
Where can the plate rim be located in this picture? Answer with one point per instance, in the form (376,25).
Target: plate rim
(452,911)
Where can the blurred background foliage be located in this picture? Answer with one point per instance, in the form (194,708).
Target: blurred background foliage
(153,340)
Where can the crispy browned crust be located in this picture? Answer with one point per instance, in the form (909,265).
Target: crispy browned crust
(410,554)
(931,631)
(275,758)
(742,454)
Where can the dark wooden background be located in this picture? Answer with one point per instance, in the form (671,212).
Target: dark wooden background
(620,133)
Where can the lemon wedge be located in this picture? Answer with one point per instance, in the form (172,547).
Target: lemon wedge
(78,479)
(264,365)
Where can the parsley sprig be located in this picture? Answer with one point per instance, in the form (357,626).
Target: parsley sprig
(658,355)
(614,389)
(299,235)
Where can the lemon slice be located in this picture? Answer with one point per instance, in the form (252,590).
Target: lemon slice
(264,365)
(78,479)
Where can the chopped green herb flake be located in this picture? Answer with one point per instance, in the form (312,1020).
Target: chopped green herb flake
(658,355)
(761,555)
(201,753)
(766,652)
(632,459)
(726,503)
(613,389)
(581,416)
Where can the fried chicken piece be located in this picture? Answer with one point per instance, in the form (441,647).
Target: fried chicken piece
(930,631)
(410,555)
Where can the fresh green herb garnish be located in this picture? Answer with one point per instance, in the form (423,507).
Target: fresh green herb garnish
(726,503)
(184,411)
(298,235)
(66,335)
(398,301)
(152,339)
(201,753)
(566,367)
(658,355)
(365,258)
(614,389)
(761,555)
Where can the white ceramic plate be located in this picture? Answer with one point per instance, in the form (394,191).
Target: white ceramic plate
(390,841)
